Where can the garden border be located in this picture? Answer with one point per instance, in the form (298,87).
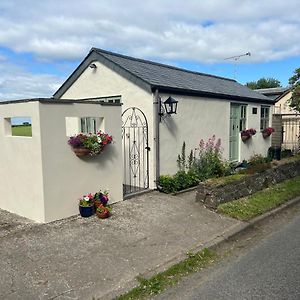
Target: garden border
(212,195)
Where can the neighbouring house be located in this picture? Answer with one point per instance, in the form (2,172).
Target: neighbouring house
(286,120)
(152,138)
(281,96)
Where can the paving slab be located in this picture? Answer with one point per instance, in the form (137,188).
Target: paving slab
(82,258)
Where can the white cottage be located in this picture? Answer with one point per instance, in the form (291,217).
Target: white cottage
(152,139)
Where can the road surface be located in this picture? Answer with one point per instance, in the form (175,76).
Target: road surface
(268,270)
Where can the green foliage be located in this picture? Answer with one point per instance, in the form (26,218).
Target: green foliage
(181,161)
(295,81)
(257,159)
(263,83)
(263,201)
(167,184)
(220,181)
(209,162)
(295,78)
(257,163)
(180,181)
(160,282)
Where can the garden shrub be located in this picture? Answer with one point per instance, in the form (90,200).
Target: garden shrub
(209,162)
(257,163)
(167,184)
(180,181)
(202,163)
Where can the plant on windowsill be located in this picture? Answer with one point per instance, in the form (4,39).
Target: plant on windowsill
(89,144)
(86,205)
(247,134)
(267,132)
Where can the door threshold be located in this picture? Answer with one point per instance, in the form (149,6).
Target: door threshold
(135,194)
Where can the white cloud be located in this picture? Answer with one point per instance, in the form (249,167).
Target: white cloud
(16,83)
(166,29)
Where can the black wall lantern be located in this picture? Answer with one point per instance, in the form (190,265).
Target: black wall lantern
(170,106)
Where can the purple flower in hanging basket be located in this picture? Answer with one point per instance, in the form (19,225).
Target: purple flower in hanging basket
(77,140)
(248,132)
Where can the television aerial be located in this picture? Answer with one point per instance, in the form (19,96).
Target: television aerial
(236,58)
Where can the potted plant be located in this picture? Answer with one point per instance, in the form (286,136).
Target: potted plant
(101,198)
(103,212)
(247,134)
(86,205)
(89,144)
(267,132)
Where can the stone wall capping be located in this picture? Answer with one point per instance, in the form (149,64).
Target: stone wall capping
(212,195)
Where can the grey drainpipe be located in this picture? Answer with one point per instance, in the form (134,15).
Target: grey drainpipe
(157,139)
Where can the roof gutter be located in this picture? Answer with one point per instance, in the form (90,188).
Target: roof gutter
(188,92)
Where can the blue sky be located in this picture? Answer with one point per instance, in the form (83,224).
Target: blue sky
(41,45)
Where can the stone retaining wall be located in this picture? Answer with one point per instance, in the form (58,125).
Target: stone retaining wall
(212,195)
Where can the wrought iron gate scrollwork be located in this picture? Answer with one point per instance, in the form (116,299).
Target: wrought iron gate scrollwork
(135,151)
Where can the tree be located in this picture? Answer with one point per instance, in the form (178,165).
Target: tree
(263,83)
(295,82)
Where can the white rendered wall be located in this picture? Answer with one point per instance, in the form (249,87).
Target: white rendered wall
(196,119)
(21,187)
(67,177)
(256,144)
(41,178)
(103,81)
(201,118)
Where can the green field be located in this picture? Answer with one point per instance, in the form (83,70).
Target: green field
(21,130)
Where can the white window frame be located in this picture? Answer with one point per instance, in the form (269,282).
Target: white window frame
(264,117)
(88,125)
(243,117)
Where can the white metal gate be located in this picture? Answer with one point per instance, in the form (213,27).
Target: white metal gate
(135,151)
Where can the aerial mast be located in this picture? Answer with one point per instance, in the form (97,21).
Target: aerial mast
(236,58)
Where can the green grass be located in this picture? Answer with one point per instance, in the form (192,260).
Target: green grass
(21,130)
(226,179)
(263,201)
(161,281)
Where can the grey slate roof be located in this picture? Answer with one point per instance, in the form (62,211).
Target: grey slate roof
(274,93)
(167,78)
(160,75)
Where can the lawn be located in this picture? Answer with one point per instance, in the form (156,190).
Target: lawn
(22,130)
(263,201)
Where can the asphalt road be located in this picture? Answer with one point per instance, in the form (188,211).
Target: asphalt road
(269,270)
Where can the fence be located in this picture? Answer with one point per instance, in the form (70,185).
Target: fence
(287,131)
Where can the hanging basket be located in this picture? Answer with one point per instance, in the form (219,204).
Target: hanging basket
(265,135)
(245,137)
(81,152)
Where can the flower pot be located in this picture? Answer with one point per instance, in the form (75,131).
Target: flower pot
(265,135)
(86,211)
(245,137)
(97,203)
(104,214)
(80,152)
